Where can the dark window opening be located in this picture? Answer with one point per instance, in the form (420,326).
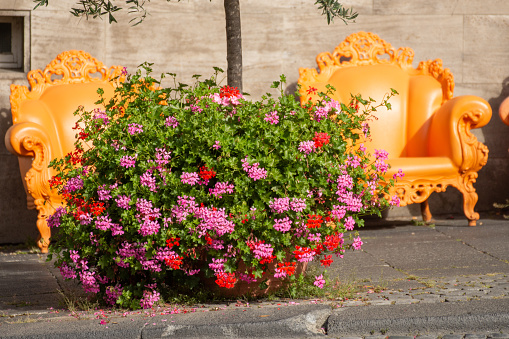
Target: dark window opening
(5,37)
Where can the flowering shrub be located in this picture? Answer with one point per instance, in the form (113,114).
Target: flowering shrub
(168,183)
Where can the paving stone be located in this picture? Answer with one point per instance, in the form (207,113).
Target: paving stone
(452,336)
(499,335)
(475,336)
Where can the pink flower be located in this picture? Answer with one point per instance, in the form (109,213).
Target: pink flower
(307,147)
(190,178)
(381,154)
(112,294)
(381,166)
(298,205)
(254,172)
(282,225)
(123,201)
(262,251)
(216,145)
(103,193)
(147,179)
(217,265)
(280,205)
(349,223)
(171,122)
(353,161)
(127,161)
(149,298)
(357,243)
(400,174)
(395,201)
(135,129)
(103,223)
(221,188)
(67,271)
(319,281)
(162,156)
(272,118)
(149,227)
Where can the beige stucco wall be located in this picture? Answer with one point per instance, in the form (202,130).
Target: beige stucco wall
(470,36)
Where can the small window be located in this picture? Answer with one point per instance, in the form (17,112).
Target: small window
(14,40)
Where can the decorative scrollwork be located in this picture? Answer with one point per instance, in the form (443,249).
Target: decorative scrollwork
(442,75)
(365,48)
(475,153)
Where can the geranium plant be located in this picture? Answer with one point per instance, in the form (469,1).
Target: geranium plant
(169,183)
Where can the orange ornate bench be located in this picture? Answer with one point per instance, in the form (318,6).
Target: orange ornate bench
(427,133)
(43,122)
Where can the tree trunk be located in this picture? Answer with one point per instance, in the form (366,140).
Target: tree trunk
(233,43)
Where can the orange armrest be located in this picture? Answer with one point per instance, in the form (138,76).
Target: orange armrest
(28,139)
(449,133)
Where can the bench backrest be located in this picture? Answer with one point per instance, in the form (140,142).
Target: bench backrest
(69,81)
(365,64)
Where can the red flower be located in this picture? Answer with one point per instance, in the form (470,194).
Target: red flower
(314,221)
(174,263)
(321,139)
(267,260)
(55,181)
(287,267)
(311,90)
(173,242)
(207,173)
(227,91)
(301,252)
(332,242)
(326,261)
(227,280)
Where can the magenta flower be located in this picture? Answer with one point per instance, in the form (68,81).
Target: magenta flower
(189,178)
(149,298)
(319,281)
(272,118)
(73,184)
(162,156)
(103,193)
(349,223)
(217,265)
(67,271)
(398,175)
(381,154)
(298,205)
(357,243)
(123,201)
(127,161)
(262,251)
(221,188)
(112,294)
(395,201)
(280,205)
(307,147)
(148,180)
(254,172)
(134,129)
(54,219)
(171,122)
(216,145)
(282,225)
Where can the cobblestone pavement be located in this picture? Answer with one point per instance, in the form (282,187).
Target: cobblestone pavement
(463,288)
